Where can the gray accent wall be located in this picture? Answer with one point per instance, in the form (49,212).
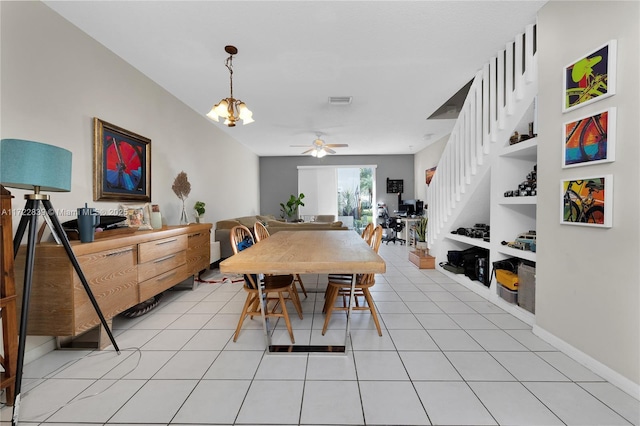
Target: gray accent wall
(279,176)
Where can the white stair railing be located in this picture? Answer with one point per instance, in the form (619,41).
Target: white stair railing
(487,111)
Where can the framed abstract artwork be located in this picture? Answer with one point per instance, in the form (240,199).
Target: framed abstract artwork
(590,78)
(587,201)
(590,139)
(121,164)
(429,174)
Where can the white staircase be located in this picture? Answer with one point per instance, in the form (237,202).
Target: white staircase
(500,95)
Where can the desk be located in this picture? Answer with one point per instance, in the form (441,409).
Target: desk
(306,252)
(407,233)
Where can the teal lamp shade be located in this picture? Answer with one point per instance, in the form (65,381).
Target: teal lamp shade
(26,164)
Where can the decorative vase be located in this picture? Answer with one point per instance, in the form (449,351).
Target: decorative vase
(184,219)
(156,220)
(421,245)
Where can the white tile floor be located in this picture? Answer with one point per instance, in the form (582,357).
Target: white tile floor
(446,357)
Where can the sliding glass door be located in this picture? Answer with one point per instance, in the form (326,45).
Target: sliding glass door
(344,191)
(356,187)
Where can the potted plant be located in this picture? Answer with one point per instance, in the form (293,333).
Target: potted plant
(421,233)
(199,208)
(289,210)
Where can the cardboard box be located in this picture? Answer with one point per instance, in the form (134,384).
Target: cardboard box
(422,260)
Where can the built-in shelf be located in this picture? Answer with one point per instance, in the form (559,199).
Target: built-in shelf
(489,293)
(478,242)
(519,200)
(526,150)
(522,254)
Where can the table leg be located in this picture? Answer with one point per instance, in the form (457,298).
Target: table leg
(349,311)
(263,309)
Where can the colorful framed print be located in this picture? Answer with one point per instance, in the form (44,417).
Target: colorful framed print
(590,139)
(121,164)
(429,174)
(590,78)
(587,201)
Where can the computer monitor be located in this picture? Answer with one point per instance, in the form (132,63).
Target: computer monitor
(406,208)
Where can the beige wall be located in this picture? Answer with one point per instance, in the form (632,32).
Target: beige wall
(588,292)
(55,79)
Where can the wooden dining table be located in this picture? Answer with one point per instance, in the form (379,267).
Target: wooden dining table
(307,252)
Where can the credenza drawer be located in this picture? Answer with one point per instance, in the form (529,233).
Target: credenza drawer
(160,265)
(159,248)
(199,252)
(160,283)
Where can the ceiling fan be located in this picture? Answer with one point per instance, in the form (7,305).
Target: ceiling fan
(319,148)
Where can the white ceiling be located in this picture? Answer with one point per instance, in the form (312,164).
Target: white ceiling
(400,60)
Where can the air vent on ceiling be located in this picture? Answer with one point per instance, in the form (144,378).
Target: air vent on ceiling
(340,100)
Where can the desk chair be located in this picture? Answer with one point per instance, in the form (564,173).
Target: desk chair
(274,287)
(341,286)
(396,225)
(261,232)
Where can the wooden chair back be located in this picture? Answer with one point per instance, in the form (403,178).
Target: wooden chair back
(367,232)
(237,234)
(261,232)
(376,238)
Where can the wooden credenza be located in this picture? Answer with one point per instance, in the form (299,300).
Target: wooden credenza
(122,271)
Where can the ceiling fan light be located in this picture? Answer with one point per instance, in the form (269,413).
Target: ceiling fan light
(321,153)
(314,153)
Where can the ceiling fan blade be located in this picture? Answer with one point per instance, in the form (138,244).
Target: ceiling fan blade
(336,145)
(308,151)
(299,146)
(329,150)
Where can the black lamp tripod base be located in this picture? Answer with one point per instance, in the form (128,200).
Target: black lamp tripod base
(30,219)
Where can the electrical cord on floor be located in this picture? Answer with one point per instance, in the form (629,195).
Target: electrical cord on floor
(135,350)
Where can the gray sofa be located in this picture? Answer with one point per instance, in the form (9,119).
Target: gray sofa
(223,228)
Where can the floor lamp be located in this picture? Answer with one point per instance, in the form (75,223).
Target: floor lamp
(38,167)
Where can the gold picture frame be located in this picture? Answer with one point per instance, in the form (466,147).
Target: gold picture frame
(121,164)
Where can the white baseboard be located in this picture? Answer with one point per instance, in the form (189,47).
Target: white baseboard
(38,346)
(594,365)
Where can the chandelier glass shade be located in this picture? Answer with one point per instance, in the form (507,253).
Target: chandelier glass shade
(231,109)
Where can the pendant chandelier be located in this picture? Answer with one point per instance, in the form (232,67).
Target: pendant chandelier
(231,109)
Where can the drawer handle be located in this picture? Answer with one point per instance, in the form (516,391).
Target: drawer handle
(116,253)
(195,235)
(167,242)
(166,277)
(162,259)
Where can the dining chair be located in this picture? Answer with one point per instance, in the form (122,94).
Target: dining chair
(340,285)
(261,232)
(274,287)
(367,232)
